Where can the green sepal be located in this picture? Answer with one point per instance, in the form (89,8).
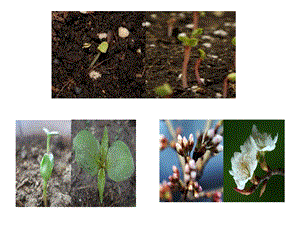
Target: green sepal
(119,162)
(101,183)
(46,166)
(103,47)
(104,146)
(87,152)
(197,33)
(164,90)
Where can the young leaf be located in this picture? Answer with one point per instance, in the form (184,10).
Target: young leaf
(202,53)
(182,37)
(192,42)
(119,162)
(103,47)
(46,166)
(163,90)
(104,146)
(197,33)
(233,41)
(101,183)
(87,152)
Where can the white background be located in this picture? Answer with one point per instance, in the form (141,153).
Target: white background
(267,88)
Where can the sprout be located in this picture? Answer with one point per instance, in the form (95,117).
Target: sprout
(202,56)
(230,77)
(47,163)
(102,48)
(100,158)
(164,90)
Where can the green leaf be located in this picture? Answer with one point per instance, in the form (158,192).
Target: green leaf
(119,162)
(104,146)
(197,33)
(182,37)
(231,77)
(103,47)
(202,53)
(47,166)
(233,41)
(192,42)
(163,90)
(101,183)
(87,152)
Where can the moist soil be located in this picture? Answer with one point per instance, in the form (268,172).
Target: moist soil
(84,190)
(29,183)
(147,58)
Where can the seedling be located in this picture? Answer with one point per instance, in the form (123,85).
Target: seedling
(164,90)
(47,163)
(97,159)
(202,56)
(230,77)
(171,22)
(102,48)
(188,44)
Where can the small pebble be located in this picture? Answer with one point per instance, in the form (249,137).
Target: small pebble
(220,33)
(95,75)
(218,95)
(207,45)
(190,26)
(153,16)
(146,24)
(102,35)
(123,32)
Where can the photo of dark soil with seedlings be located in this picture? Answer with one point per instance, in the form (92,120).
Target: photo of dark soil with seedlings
(143,54)
(82,68)
(103,163)
(43,169)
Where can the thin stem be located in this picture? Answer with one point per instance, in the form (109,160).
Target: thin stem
(196,16)
(95,60)
(187,52)
(48,142)
(45,193)
(225,87)
(197,64)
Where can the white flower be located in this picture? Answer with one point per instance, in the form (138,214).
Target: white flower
(50,133)
(243,167)
(264,142)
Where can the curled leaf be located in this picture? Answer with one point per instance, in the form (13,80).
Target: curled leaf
(46,166)
(101,183)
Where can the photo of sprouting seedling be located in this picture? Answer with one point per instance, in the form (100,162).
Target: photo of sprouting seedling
(43,171)
(194,66)
(106,161)
(255,168)
(191,160)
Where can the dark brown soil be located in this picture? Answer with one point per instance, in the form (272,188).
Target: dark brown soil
(29,183)
(147,58)
(121,66)
(164,55)
(84,190)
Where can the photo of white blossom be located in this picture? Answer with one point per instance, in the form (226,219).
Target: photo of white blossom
(254,160)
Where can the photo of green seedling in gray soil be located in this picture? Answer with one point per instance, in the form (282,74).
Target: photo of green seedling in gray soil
(103,163)
(43,170)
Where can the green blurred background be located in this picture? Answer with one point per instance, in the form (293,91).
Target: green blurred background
(236,132)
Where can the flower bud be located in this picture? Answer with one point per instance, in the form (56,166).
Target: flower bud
(178,148)
(187,169)
(179,139)
(196,195)
(191,138)
(190,187)
(219,148)
(192,164)
(193,175)
(184,142)
(217,139)
(210,133)
(186,177)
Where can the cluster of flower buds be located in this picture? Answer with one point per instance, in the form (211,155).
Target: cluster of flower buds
(190,178)
(163,142)
(165,192)
(174,178)
(216,196)
(184,146)
(210,140)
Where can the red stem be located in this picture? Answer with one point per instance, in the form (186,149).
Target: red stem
(187,52)
(225,87)
(195,20)
(197,64)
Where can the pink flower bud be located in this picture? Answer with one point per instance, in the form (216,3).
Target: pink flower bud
(186,177)
(187,169)
(219,148)
(179,139)
(185,142)
(192,164)
(196,195)
(191,138)
(193,175)
(210,133)
(217,139)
